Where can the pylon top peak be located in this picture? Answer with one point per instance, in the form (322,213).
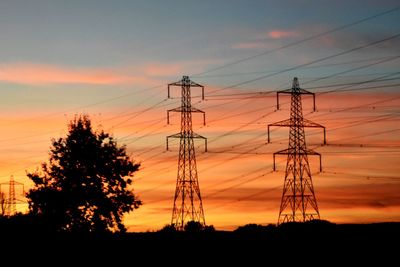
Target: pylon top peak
(296,84)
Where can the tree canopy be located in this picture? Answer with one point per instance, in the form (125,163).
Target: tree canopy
(86,185)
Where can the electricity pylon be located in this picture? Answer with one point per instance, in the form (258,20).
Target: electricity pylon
(188,205)
(298,202)
(10,201)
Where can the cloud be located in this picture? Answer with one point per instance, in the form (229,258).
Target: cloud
(42,74)
(264,40)
(279,34)
(176,68)
(146,74)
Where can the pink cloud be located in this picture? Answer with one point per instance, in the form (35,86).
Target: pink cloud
(278,34)
(39,74)
(146,74)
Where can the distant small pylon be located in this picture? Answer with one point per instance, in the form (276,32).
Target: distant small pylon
(9,202)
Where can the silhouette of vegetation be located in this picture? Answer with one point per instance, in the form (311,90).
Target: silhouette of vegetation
(253,244)
(85,187)
(169,228)
(3,204)
(209,228)
(250,228)
(193,227)
(190,227)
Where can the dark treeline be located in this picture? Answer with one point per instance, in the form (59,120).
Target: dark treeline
(252,239)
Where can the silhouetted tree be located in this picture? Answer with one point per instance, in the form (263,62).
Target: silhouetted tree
(85,185)
(193,226)
(169,228)
(250,228)
(209,228)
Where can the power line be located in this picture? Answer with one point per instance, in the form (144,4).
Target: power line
(319,66)
(300,41)
(263,94)
(309,63)
(354,69)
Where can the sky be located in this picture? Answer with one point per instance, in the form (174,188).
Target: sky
(113,60)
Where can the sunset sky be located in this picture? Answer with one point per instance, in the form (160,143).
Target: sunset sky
(114,59)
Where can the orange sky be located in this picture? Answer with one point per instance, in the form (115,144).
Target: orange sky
(360,162)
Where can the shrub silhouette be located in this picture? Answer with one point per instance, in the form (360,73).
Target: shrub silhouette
(193,226)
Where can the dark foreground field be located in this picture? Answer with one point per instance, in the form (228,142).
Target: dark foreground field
(333,243)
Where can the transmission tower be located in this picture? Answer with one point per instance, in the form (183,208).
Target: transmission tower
(298,202)
(11,200)
(188,205)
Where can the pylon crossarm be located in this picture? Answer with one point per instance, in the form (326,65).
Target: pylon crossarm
(173,110)
(291,151)
(195,135)
(310,152)
(311,124)
(193,84)
(178,83)
(179,109)
(173,84)
(313,153)
(177,135)
(196,110)
(186,82)
(287,123)
(305,92)
(290,91)
(15,182)
(199,111)
(284,123)
(286,91)
(279,124)
(281,152)
(308,123)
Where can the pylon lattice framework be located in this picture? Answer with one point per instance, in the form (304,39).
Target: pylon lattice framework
(298,203)
(9,203)
(188,205)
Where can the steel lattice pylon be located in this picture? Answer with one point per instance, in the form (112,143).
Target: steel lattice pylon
(298,202)
(10,200)
(188,205)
